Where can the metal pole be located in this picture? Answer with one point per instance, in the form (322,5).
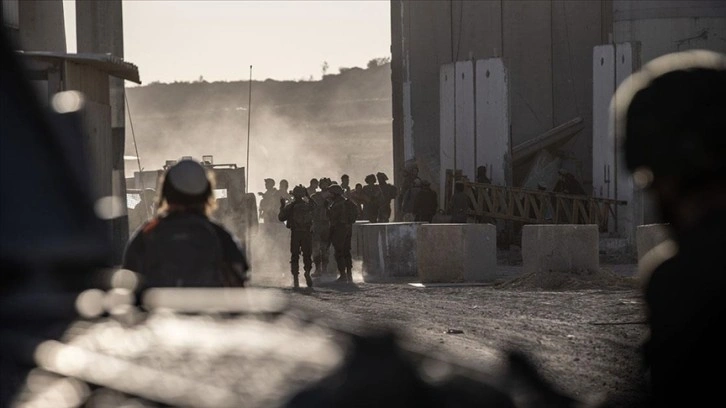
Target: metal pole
(249,120)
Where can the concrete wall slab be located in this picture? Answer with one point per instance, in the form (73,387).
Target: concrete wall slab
(465,137)
(493,141)
(447,123)
(449,253)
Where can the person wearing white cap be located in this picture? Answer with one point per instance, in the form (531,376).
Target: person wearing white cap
(181,246)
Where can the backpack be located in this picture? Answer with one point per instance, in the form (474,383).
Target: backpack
(183,250)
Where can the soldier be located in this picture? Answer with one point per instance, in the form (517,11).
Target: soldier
(459,204)
(182,246)
(410,174)
(313,187)
(568,184)
(409,199)
(673,114)
(345,183)
(425,203)
(284,191)
(374,196)
(321,228)
(298,216)
(481,175)
(268,207)
(358,198)
(388,194)
(342,213)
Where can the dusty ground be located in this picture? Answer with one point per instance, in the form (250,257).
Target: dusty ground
(582,331)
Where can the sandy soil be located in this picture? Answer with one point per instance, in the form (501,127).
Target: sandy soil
(582,331)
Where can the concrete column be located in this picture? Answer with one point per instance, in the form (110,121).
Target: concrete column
(99,29)
(41,25)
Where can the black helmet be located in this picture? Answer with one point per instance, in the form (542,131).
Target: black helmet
(370,178)
(381,176)
(335,189)
(324,183)
(299,191)
(671,117)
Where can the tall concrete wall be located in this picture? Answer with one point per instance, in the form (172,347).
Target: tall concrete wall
(99,29)
(41,26)
(546,47)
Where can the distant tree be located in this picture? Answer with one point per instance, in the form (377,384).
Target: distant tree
(325,67)
(377,62)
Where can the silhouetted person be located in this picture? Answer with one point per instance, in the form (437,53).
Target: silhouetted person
(359,199)
(343,214)
(284,191)
(674,113)
(345,184)
(410,175)
(321,228)
(481,175)
(409,200)
(388,194)
(426,203)
(568,184)
(298,216)
(374,198)
(313,187)
(459,204)
(268,203)
(182,246)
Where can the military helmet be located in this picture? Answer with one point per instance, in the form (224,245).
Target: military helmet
(670,117)
(299,191)
(335,189)
(324,183)
(381,176)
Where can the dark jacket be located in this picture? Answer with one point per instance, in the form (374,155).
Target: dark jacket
(297,215)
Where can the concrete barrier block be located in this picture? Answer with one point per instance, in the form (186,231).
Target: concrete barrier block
(650,235)
(449,253)
(560,248)
(356,244)
(389,250)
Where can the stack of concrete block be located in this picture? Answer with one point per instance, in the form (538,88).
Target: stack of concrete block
(560,248)
(449,253)
(389,250)
(356,244)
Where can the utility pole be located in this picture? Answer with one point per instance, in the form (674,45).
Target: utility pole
(249,121)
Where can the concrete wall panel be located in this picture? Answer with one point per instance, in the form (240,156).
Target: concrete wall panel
(493,148)
(603,150)
(465,138)
(447,121)
(477,29)
(528,58)
(42,26)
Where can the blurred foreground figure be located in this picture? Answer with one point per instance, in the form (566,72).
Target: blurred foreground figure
(674,113)
(343,214)
(182,246)
(298,216)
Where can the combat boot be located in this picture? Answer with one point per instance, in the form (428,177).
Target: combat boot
(349,274)
(295,282)
(308,279)
(343,278)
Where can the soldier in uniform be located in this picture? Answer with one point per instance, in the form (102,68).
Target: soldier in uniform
(388,194)
(321,228)
(345,183)
(284,191)
(342,213)
(374,196)
(313,187)
(268,208)
(298,216)
(425,203)
(673,114)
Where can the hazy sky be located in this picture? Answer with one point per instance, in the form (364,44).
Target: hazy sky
(182,39)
